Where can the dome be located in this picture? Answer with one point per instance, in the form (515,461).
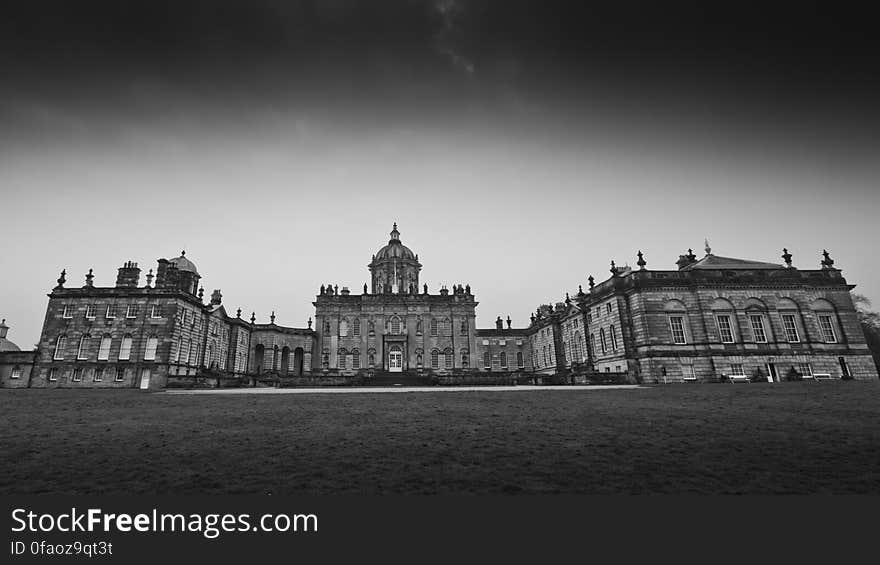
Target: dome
(395,249)
(5,344)
(184,264)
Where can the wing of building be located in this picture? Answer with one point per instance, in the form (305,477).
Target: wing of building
(708,319)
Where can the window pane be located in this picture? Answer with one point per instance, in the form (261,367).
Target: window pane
(791,332)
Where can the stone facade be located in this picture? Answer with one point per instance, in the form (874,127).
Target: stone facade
(707,320)
(717,316)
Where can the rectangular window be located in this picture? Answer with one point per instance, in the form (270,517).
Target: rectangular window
(676,324)
(827,329)
(758,329)
(99,375)
(132,311)
(68,311)
(737,369)
(53,375)
(77,375)
(502,342)
(487,360)
(355,360)
(608,306)
(120,375)
(805,369)
(90,311)
(16,373)
(725,329)
(520,360)
(111,311)
(791,333)
(689,373)
(155,311)
(613,338)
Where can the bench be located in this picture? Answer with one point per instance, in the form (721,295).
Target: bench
(690,379)
(823,376)
(739,379)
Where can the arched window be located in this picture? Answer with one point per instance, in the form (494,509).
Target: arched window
(343,328)
(193,353)
(372,359)
(150,349)
(503,357)
(434,327)
(83,351)
(546,362)
(446,327)
(577,347)
(826,317)
(520,360)
(275,358)
(60,344)
(210,359)
(355,359)
(487,360)
(603,340)
(435,359)
(104,348)
(285,360)
(340,356)
(395,325)
(593,342)
(448,358)
(613,333)
(125,348)
(356,326)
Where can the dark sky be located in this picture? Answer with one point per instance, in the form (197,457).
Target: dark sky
(559,134)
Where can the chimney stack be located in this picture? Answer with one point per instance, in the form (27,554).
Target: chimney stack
(499,324)
(129,275)
(216,297)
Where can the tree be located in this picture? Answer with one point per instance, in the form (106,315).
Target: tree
(870,322)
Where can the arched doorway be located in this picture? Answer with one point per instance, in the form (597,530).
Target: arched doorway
(259,352)
(395,359)
(298,361)
(285,360)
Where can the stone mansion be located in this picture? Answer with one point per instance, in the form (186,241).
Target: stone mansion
(708,319)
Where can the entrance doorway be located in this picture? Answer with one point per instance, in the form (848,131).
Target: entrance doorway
(395,359)
(145,379)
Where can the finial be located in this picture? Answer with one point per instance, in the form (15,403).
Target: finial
(567,299)
(150,278)
(89,277)
(238,313)
(253,317)
(580,290)
(201,292)
(508,321)
(786,256)
(641,262)
(591,281)
(708,249)
(395,235)
(613,267)
(365,288)
(310,322)
(272,316)
(691,257)
(183,252)
(62,279)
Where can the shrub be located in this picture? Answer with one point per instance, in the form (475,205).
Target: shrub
(793,375)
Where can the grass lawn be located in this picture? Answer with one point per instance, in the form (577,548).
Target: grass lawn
(748,438)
